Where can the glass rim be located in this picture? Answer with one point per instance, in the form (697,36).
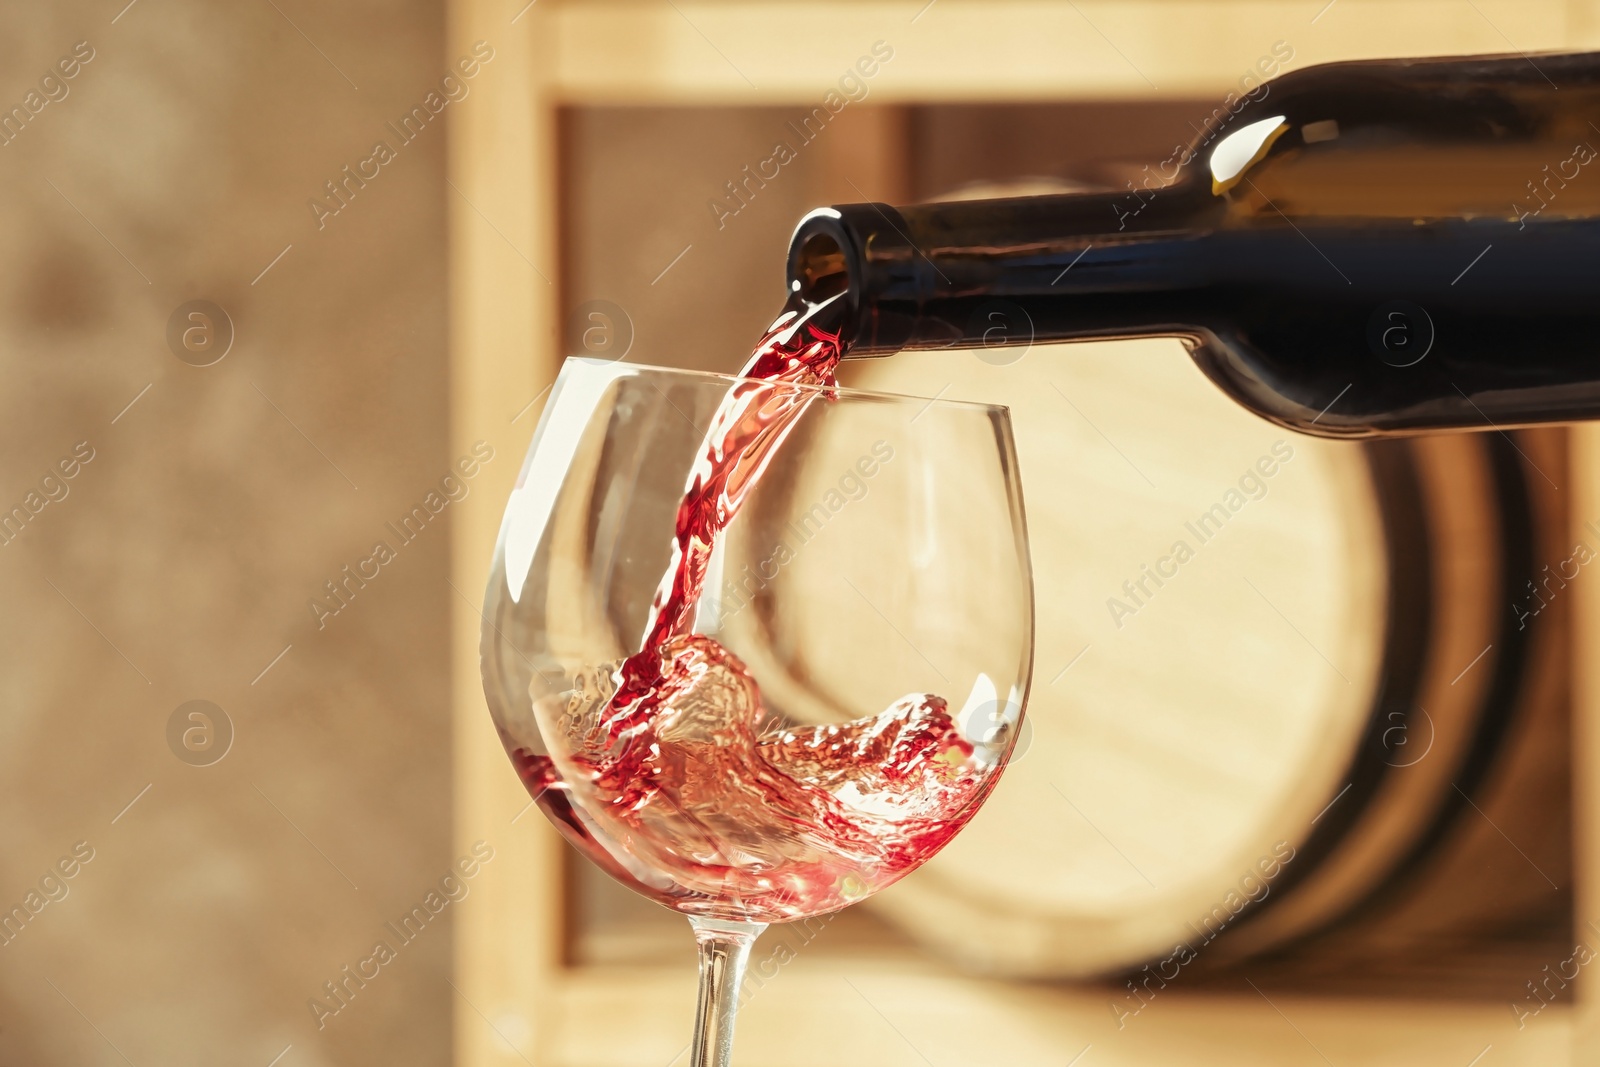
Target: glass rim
(832,390)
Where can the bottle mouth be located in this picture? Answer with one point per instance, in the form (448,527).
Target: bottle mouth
(828,261)
(859,255)
(819,270)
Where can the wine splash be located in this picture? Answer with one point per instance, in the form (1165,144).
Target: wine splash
(693,796)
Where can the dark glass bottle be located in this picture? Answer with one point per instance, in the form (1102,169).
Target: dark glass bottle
(1358,249)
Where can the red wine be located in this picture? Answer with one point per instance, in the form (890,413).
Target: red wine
(689,790)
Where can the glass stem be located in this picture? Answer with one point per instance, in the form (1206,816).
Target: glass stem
(724,951)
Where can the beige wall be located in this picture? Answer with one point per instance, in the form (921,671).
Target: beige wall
(181,562)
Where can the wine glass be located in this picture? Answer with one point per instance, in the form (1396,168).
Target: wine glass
(836,702)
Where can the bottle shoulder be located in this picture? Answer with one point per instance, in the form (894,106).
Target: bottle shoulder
(1451,137)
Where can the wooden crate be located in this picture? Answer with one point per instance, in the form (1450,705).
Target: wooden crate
(516,1000)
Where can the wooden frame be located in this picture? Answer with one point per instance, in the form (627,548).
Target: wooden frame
(515,1003)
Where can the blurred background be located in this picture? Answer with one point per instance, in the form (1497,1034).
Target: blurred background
(276,271)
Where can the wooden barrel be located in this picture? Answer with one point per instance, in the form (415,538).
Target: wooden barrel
(1278,681)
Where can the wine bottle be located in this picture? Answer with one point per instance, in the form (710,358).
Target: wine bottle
(1357,249)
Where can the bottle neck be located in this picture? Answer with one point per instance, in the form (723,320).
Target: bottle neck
(1008,271)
